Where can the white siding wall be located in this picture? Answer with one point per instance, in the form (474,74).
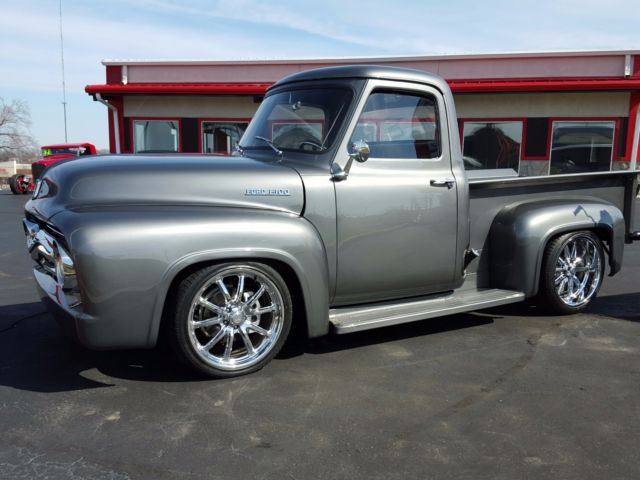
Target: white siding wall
(198,106)
(576,104)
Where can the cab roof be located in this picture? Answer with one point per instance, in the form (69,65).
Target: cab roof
(366,71)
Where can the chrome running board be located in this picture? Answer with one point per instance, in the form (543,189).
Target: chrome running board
(374,315)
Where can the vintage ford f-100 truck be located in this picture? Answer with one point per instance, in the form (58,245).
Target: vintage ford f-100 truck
(347,206)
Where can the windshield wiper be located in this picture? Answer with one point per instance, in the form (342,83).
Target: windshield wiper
(239,149)
(270,143)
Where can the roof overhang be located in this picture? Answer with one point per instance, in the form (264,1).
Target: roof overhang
(179,89)
(457,86)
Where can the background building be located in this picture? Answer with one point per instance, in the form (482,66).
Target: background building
(538,113)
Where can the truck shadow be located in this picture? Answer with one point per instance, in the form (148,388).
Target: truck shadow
(35,355)
(334,343)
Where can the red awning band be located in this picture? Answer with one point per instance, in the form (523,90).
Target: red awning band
(180,89)
(457,86)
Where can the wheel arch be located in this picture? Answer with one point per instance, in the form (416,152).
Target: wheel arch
(310,300)
(520,234)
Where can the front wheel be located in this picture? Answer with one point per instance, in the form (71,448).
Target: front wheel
(572,272)
(231,319)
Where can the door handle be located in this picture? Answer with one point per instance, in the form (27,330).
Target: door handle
(447,182)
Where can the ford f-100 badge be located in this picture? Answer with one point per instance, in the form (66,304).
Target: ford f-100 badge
(268,192)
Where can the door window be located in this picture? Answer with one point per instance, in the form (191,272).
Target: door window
(399,125)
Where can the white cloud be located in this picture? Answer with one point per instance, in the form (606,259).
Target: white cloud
(245,29)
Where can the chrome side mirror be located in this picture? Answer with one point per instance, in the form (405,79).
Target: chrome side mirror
(360,151)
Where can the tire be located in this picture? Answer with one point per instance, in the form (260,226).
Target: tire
(230,319)
(15,184)
(572,272)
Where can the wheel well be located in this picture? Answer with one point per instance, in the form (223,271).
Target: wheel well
(299,325)
(604,234)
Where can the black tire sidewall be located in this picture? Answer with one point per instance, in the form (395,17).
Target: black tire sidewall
(179,331)
(548,294)
(13,184)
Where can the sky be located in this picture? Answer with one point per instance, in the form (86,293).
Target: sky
(94,30)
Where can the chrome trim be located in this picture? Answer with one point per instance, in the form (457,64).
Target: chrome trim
(53,263)
(383,314)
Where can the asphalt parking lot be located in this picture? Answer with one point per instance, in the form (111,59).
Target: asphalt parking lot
(501,394)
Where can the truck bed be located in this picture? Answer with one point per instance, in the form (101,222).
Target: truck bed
(488,196)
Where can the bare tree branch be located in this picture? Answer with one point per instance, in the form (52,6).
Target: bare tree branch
(15,121)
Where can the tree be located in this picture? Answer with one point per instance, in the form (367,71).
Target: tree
(15,137)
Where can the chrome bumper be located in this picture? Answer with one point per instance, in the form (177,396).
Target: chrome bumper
(54,271)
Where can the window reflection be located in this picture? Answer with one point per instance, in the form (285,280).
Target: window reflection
(399,125)
(151,136)
(489,145)
(221,137)
(578,147)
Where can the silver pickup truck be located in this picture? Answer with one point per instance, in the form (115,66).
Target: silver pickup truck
(346,207)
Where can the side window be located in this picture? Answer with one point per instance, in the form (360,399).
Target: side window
(152,136)
(221,137)
(489,145)
(399,125)
(578,147)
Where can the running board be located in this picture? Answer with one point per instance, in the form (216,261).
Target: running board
(374,315)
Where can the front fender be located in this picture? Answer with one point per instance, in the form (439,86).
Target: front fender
(521,231)
(127,258)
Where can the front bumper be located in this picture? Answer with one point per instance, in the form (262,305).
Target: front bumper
(56,279)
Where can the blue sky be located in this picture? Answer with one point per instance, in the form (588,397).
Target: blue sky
(245,29)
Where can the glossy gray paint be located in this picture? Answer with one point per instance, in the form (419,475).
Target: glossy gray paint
(128,256)
(133,223)
(391,221)
(164,180)
(521,231)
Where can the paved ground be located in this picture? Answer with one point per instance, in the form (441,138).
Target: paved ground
(504,394)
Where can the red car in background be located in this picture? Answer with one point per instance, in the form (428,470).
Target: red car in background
(51,154)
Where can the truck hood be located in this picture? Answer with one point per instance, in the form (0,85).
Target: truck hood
(119,180)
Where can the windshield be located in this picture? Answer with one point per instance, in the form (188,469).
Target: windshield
(298,120)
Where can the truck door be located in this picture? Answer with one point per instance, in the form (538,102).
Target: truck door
(397,212)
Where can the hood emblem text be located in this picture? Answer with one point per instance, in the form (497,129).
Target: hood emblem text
(267,192)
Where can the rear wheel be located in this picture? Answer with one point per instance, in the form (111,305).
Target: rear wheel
(572,272)
(231,319)
(16,184)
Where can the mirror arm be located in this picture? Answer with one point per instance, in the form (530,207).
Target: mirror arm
(338,173)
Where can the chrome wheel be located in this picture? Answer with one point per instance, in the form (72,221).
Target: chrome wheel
(235,318)
(578,271)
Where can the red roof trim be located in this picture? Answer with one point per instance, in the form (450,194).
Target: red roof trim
(457,86)
(542,85)
(180,89)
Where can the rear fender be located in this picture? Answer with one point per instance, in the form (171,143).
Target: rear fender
(521,231)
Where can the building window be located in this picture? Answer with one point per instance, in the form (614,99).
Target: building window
(155,136)
(221,137)
(578,147)
(399,125)
(490,145)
